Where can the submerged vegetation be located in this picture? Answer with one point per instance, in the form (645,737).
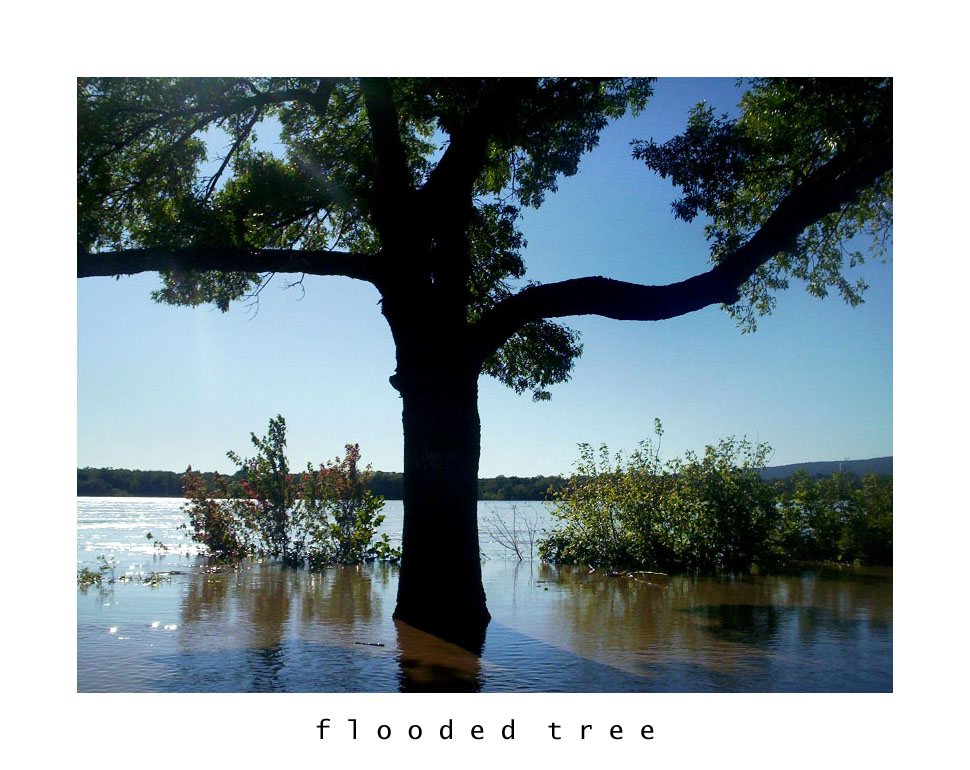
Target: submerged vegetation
(713,511)
(517,535)
(105,575)
(841,518)
(321,517)
(716,510)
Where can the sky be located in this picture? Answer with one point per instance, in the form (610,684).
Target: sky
(161,387)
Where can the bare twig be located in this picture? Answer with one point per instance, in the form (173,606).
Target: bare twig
(243,136)
(512,537)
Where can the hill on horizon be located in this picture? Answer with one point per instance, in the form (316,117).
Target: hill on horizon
(880,466)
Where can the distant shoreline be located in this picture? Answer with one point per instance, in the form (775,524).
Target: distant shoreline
(120,482)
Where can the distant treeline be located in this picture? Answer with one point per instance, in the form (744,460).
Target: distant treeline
(391,486)
(118,482)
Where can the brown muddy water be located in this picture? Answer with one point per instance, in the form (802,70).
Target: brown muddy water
(261,628)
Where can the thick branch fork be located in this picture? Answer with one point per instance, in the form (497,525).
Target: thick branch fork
(363,267)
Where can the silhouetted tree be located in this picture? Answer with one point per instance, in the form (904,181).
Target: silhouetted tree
(362,192)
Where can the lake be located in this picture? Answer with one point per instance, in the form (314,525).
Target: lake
(260,628)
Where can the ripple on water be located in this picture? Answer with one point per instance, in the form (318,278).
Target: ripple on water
(262,628)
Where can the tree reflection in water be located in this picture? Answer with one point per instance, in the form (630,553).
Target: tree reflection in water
(733,632)
(430,664)
(264,628)
(314,631)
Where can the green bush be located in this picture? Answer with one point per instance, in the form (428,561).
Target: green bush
(320,517)
(713,511)
(710,511)
(727,511)
(841,518)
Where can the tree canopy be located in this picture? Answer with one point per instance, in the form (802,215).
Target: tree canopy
(739,172)
(416,185)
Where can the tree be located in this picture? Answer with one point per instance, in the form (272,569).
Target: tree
(364,192)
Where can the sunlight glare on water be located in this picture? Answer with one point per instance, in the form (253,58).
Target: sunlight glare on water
(261,628)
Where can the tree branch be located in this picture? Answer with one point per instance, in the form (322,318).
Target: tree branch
(320,98)
(462,162)
(364,267)
(393,185)
(212,110)
(243,136)
(825,191)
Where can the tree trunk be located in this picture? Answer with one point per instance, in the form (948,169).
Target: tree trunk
(440,589)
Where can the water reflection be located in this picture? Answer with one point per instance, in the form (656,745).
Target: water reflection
(261,628)
(266,629)
(430,664)
(738,633)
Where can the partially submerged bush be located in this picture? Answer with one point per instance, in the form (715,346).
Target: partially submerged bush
(320,517)
(713,512)
(841,518)
(706,512)
(87,577)
(106,573)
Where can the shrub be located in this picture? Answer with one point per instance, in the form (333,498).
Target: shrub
(713,511)
(841,518)
(218,521)
(320,517)
(729,510)
(706,512)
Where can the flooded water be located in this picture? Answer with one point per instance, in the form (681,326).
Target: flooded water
(261,628)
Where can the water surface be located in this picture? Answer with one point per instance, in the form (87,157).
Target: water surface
(261,628)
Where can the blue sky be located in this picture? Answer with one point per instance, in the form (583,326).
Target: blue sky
(161,387)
